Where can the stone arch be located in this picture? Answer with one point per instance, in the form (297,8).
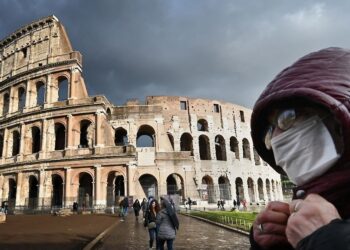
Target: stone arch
(6,104)
(224,188)
(239,189)
(234,146)
(261,189)
(63,88)
(33,192)
(40,93)
(204,147)
(208,192)
(36,139)
(202,125)
(220,148)
(251,192)
(109,112)
(21,102)
(121,137)
(16,142)
(86,134)
(1,143)
(60,136)
(175,185)
(12,191)
(85,191)
(186,142)
(149,185)
(256,157)
(246,148)
(115,188)
(57,190)
(145,136)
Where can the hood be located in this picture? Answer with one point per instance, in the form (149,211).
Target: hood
(319,78)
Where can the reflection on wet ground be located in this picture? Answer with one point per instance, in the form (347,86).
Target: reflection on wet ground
(193,234)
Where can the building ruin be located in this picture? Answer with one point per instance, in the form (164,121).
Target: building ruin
(58,145)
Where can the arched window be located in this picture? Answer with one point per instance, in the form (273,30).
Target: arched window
(6,106)
(16,141)
(186,142)
(33,192)
(60,136)
(21,99)
(204,148)
(121,137)
(246,149)
(85,134)
(234,146)
(1,143)
(220,148)
(36,138)
(40,93)
(145,136)
(62,88)
(202,125)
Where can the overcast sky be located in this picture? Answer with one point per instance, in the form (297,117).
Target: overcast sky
(224,50)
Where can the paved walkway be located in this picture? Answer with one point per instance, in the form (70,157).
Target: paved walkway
(38,232)
(193,234)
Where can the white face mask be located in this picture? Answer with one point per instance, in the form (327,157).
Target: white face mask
(305,151)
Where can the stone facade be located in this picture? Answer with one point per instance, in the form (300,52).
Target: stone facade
(58,145)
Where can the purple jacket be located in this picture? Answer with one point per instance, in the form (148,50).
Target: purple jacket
(322,78)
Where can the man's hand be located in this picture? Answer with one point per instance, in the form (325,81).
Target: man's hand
(270,225)
(307,216)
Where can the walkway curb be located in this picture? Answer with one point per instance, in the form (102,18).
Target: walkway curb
(218,224)
(99,237)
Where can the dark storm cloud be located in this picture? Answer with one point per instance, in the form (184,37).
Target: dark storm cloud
(226,50)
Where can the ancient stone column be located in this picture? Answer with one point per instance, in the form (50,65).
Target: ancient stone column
(98,130)
(98,195)
(22,143)
(1,186)
(5,144)
(68,199)
(256,191)
(245,191)
(265,192)
(70,137)
(41,187)
(43,149)
(28,91)
(19,202)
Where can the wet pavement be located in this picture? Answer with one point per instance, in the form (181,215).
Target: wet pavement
(193,234)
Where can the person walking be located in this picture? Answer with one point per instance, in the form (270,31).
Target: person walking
(144,207)
(150,222)
(137,207)
(167,223)
(124,204)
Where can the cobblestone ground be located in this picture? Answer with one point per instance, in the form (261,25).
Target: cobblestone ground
(193,234)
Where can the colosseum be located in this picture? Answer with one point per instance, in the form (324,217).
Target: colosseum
(58,145)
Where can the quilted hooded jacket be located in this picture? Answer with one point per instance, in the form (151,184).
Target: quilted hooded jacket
(321,78)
